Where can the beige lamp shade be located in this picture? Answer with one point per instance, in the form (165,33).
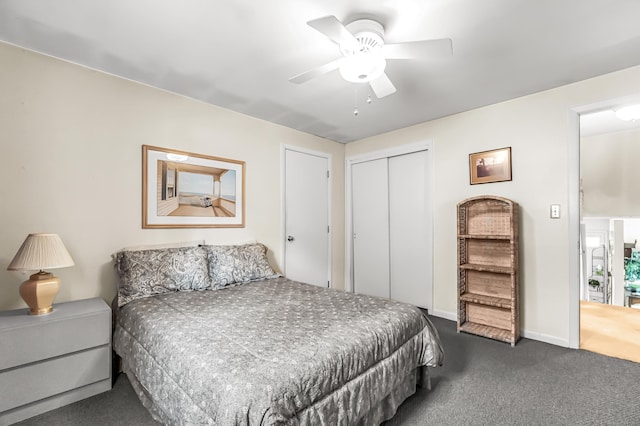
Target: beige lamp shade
(40,252)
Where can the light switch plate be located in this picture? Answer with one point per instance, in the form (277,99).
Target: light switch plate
(555,211)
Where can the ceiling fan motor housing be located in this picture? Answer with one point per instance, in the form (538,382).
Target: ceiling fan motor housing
(369,33)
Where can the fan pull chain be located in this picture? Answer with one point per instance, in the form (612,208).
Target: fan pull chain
(355,99)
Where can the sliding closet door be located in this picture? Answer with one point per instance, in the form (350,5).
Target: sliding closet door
(409,246)
(370,224)
(391,220)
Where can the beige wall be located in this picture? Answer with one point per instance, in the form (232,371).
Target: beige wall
(72,137)
(71,164)
(538,129)
(609,170)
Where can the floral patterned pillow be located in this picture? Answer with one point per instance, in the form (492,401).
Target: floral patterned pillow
(144,273)
(237,264)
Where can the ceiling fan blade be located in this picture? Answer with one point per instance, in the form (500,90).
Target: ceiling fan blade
(332,28)
(423,49)
(382,86)
(316,72)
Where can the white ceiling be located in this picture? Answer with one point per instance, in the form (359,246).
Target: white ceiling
(239,54)
(601,122)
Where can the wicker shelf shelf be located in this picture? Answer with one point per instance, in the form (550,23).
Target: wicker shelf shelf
(487,331)
(485,237)
(488,268)
(483,299)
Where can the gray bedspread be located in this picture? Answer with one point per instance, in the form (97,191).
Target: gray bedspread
(273,352)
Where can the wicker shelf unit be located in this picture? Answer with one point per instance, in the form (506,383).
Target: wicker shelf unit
(488,268)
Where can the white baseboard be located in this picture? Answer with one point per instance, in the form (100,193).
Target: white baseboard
(553,340)
(445,314)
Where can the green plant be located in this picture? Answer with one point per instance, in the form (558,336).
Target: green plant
(632,267)
(594,283)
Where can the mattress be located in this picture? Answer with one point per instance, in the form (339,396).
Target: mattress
(273,352)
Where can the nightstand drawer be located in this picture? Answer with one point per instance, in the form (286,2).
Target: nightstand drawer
(40,380)
(71,327)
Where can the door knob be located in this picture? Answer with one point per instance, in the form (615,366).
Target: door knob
(290,238)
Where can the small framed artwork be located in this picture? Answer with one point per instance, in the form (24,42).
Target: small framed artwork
(490,166)
(186,190)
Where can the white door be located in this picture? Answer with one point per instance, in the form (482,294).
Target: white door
(409,247)
(370,225)
(306,202)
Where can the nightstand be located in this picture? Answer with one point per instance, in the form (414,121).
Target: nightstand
(47,361)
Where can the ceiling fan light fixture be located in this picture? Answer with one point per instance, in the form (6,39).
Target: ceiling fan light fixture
(628,113)
(363,67)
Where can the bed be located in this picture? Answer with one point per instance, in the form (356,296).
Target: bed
(259,349)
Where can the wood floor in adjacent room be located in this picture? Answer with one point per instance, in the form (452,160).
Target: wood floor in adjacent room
(610,330)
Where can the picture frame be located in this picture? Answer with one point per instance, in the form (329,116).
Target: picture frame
(187,190)
(490,166)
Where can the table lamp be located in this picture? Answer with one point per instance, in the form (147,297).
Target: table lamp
(39,252)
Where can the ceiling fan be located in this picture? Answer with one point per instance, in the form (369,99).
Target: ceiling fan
(365,54)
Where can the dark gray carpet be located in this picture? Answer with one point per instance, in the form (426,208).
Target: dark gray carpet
(483,382)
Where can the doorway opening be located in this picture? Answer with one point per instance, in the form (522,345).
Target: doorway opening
(609,223)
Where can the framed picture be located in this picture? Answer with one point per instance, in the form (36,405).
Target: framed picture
(490,166)
(187,190)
